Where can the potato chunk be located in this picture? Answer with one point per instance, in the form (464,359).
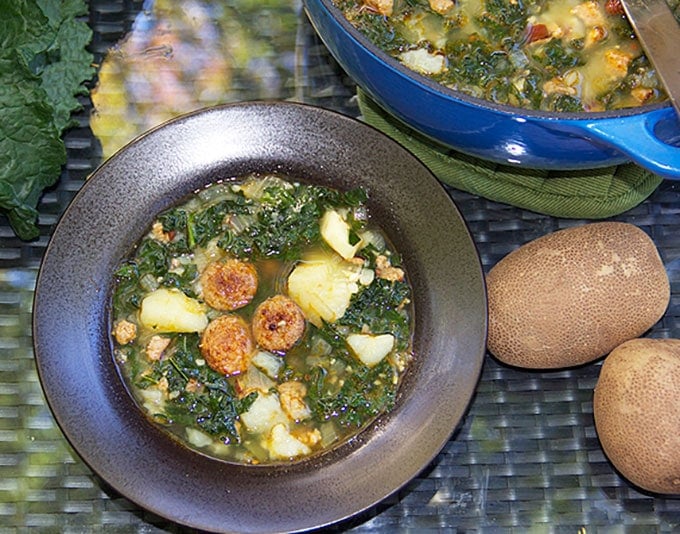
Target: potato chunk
(283,445)
(169,310)
(369,348)
(263,414)
(423,61)
(322,286)
(335,231)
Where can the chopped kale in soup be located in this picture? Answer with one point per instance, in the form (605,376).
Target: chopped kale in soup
(551,55)
(263,320)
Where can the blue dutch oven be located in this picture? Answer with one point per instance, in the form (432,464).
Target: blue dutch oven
(648,135)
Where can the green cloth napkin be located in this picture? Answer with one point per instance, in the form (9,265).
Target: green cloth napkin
(583,194)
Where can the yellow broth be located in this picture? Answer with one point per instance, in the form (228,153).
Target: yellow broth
(269,398)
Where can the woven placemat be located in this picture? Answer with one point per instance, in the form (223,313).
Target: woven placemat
(593,194)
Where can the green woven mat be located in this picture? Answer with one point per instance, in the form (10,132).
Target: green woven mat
(588,194)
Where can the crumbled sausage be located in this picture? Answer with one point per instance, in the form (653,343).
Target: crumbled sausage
(642,94)
(614,7)
(226,345)
(441,6)
(292,399)
(384,7)
(193,386)
(229,285)
(278,323)
(384,270)
(559,86)
(156,346)
(159,234)
(125,332)
(617,62)
(309,437)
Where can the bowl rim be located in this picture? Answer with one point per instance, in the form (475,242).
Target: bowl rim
(463,98)
(72,344)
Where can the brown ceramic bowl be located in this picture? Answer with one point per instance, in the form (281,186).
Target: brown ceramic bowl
(116,206)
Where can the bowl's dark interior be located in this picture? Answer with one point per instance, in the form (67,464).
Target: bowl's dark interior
(113,210)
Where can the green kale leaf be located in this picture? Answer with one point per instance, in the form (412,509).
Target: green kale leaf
(382,307)
(31,152)
(214,406)
(364,394)
(43,68)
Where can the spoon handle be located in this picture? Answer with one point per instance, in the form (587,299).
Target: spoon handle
(659,34)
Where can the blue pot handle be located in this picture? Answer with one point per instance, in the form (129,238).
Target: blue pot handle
(646,139)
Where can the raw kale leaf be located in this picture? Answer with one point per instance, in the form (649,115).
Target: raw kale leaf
(31,152)
(43,68)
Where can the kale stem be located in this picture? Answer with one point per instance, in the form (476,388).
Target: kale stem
(178,369)
(191,238)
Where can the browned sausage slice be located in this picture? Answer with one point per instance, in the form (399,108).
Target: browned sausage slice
(226,345)
(229,285)
(278,324)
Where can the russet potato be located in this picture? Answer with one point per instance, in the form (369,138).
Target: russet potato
(636,405)
(570,297)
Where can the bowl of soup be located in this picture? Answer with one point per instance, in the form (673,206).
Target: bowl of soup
(260,317)
(550,85)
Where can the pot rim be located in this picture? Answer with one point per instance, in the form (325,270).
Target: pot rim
(465,99)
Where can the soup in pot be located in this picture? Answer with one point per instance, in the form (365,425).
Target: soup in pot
(551,55)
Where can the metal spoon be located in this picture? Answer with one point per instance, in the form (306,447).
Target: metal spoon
(659,34)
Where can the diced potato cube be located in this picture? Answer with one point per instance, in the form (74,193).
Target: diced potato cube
(282,445)
(335,232)
(369,348)
(198,438)
(423,61)
(263,414)
(170,310)
(322,286)
(153,400)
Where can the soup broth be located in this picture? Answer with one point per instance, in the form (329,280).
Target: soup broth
(565,56)
(263,320)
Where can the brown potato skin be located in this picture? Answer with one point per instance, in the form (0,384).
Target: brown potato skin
(278,324)
(636,405)
(229,285)
(227,345)
(572,296)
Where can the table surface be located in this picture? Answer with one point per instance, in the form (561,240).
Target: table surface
(526,458)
